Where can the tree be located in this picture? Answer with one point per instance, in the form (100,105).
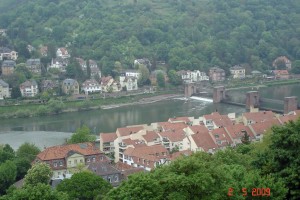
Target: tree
(160,77)
(21,68)
(174,78)
(55,106)
(296,67)
(15,93)
(36,192)
(8,173)
(144,74)
(28,151)
(6,153)
(82,134)
(39,173)
(84,186)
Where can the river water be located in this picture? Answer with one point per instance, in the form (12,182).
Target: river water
(53,130)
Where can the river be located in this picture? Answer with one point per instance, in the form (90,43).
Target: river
(52,130)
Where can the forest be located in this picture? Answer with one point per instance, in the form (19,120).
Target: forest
(191,34)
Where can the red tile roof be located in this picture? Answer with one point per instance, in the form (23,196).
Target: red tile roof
(173,136)
(135,143)
(219,120)
(145,150)
(108,137)
(198,128)
(287,118)
(204,140)
(172,126)
(150,136)
(59,152)
(125,131)
(259,116)
(180,119)
(220,134)
(261,128)
(178,154)
(236,131)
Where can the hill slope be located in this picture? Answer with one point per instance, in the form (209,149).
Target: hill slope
(191,34)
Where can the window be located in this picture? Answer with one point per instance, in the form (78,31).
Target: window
(55,164)
(81,161)
(88,160)
(116,178)
(60,163)
(94,159)
(75,161)
(70,162)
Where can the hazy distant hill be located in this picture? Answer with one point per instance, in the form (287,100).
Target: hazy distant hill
(190,34)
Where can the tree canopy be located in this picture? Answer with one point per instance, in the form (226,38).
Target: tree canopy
(82,134)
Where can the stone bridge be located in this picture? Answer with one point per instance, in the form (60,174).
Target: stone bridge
(253,100)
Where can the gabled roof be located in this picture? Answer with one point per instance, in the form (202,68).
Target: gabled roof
(219,120)
(237,67)
(143,151)
(173,136)
(90,82)
(281,72)
(70,82)
(105,80)
(28,84)
(220,134)
(237,130)
(259,116)
(261,128)
(5,50)
(287,118)
(62,151)
(172,126)
(3,84)
(179,154)
(150,136)
(198,129)
(125,131)
(8,63)
(102,168)
(216,69)
(179,119)
(108,137)
(204,140)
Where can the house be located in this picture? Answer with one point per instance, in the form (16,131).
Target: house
(147,157)
(62,53)
(221,138)
(95,71)
(34,66)
(215,120)
(8,67)
(281,74)
(43,51)
(282,60)
(238,132)
(237,72)
(30,48)
(90,86)
(256,73)
(70,86)
(216,74)
(59,63)
(107,142)
(202,141)
(82,64)
(173,139)
(108,84)
(257,117)
(107,172)
(151,138)
(8,54)
(64,159)
(128,83)
(48,85)
(4,90)
(260,128)
(131,73)
(29,88)
(143,61)
(192,76)
(186,120)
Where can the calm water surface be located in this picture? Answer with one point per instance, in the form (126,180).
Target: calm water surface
(43,130)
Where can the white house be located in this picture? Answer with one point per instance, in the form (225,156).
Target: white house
(129,83)
(62,53)
(4,90)
(132,73)
(90,86)
(193,76)
(237,72)
(29,88)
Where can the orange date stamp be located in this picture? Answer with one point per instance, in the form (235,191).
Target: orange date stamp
(254,192)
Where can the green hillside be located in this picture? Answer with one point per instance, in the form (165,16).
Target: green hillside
(190,34)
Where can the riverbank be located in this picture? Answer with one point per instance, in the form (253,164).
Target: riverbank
(32,110)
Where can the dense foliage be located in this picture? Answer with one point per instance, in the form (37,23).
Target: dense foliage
(194,34)
(14,165)
(84,186)
(82,134)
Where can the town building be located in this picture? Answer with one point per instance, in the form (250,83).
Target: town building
(130,73)
(4,90)
(282,60)
(59,63)
(107,142)
(257,117)
(64,159)
(95,71)
(216,74)
(62,53)
(29,88)
(8,54)
(281,74)
(108,84)
(8,67)
(49,85)
(192,76)
(237,72)
(34,66)
(90,86)
(107,172)
(128,83)
(70,86)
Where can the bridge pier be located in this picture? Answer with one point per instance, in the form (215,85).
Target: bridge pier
(189,89)
(290,104)
(218,94)
(252,99)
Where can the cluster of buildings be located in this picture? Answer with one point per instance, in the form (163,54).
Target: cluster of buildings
(144,147)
